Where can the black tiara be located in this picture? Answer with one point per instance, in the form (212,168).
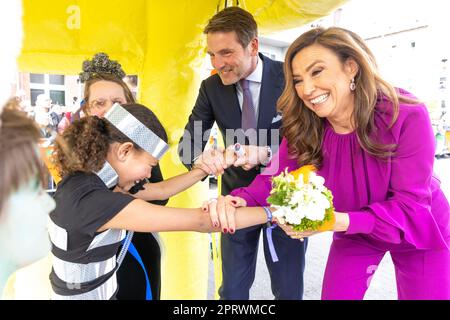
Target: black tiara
(101,64)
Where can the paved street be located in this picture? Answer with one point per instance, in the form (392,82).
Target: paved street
(383,283)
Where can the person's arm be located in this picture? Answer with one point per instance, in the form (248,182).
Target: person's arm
(202,118)
(141,216)
(258,191)
(406,213)
(170,187)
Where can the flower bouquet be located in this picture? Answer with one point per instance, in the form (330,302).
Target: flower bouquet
(302,201)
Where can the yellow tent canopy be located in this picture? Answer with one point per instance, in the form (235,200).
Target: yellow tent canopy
(161,42)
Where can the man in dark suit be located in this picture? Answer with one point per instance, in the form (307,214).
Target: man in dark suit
(242,99)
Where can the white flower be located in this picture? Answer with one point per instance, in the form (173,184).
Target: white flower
(290,178)
(301,211)
(317,181)
(305,200)
(323,201)
(314,212)
(293,216)
(296,198)
(299,183)
(280,212)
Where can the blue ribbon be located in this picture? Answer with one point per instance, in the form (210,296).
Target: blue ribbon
(269,229)
(135,254)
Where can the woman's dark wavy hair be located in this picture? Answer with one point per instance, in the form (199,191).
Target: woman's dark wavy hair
(303,129)
(85,143)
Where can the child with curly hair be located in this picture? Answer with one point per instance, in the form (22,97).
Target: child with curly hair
(89,222)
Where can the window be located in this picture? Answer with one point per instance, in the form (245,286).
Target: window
(58,97)
(56,79)
(51,84)
(34,95)
(37,78)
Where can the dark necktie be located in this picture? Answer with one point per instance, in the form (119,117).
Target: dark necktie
(248,110)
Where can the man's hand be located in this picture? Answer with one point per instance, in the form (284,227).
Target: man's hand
(251,157)
(199,164)
(215,161)
(212,161)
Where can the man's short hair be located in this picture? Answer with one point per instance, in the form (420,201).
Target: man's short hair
(234,19)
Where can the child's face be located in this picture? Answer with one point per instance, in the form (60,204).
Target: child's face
(138,165)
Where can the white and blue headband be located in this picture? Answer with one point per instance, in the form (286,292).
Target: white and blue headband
(137,132)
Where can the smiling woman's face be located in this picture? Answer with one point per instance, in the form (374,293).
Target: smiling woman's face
(322,81)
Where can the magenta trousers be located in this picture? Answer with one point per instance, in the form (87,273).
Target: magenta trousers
(352,261)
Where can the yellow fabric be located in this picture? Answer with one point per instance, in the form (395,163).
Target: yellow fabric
(162,42)
(280,15)
(169,87)
(59,35)
(31,282)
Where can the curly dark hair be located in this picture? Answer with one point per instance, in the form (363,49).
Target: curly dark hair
(85,143)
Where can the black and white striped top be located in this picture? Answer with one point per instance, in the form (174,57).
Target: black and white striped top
(84,260)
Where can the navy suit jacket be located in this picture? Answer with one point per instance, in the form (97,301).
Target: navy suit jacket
(219,102)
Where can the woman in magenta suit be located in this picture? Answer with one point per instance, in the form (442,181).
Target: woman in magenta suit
(374,146)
